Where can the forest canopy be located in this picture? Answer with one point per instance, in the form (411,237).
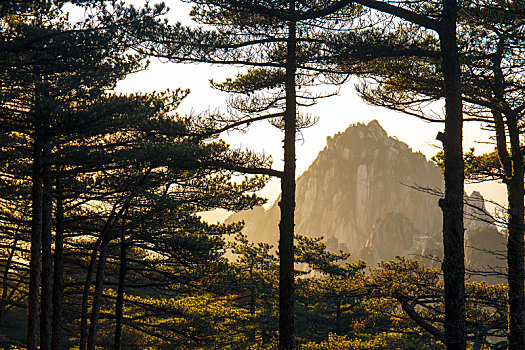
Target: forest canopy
(102,243)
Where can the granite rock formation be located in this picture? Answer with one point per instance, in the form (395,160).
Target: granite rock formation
(369,194)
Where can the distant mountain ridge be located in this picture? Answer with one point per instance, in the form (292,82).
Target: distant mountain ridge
(360,195)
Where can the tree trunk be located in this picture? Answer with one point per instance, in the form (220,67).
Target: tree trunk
(119,305)
(58,278)
(452,203)
(85,295)
(515,247)
(338,314)
(252,306)
(5,281)
(514,170)
(287,204)
(33,304)
(100,245)
(46,278)
(97,297)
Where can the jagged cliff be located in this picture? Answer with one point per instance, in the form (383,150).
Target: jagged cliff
(359,194)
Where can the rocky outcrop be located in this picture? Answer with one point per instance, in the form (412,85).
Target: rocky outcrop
(485,246)
(369,194)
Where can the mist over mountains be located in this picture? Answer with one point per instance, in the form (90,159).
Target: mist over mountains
(368,193)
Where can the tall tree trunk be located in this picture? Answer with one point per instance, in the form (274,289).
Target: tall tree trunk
(97,297)
(514,170)
(338,315)
(46,278)
(36,243)
(119,304)
(252,306)
(5,281)
(85,295)
(58,278)
(287,204)
(452,203)
(100,247)
(515,244)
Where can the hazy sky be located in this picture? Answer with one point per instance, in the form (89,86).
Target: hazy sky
(335,115)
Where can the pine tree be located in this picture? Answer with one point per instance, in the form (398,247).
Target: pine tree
(101,147)
(492,62)
(274,40)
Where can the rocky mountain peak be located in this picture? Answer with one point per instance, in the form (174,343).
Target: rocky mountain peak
(363,193)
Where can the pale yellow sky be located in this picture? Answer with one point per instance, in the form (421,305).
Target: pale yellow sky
(335,115)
